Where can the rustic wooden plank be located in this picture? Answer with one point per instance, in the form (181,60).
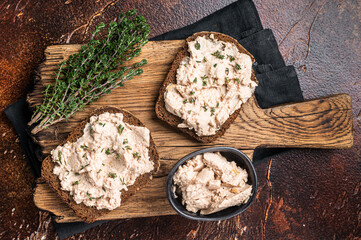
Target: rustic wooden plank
(319,123)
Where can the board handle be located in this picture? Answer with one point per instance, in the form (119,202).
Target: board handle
(320,123)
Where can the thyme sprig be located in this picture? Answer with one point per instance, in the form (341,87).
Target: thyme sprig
(94,71)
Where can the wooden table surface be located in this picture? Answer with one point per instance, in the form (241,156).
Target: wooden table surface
(303,194)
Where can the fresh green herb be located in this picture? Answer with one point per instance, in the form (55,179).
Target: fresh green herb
(197,45)
(192,100)
(128,147)
(198,61)
(91,198)
(192,93)
(217,104)
(212,111)
(117,156)
(104,189)
(231,58)
(59,157)
(91,129)
(82,167)
(75,183)
(100,197)
(185,65)
(215,65)
(204,83)
(125,141)
(189,112)
(237,80)
(91,73)
(103,164)
(122,180)
(84,155)
(227,71)
(238,67)
(112,175)
(120,129)
(184,101)
(136,155)
(218,54)
(107,152)
(77,174)
(226,79)
(67,172)
(88,194)
(195,80)
(204,77)
(99,171)
(205,108)
(101,124)
(102,150)
(84,146)
(204,59)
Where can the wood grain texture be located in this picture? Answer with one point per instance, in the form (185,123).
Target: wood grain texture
(319,123)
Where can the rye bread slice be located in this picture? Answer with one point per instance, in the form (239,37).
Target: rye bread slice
(174,120)
(89,214)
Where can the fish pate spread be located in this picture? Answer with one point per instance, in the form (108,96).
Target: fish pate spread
(210,183)
(212,83)
(105,160)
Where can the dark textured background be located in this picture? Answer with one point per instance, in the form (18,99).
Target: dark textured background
(303,194)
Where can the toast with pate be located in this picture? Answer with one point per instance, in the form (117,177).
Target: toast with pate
(209,79)
(87,213)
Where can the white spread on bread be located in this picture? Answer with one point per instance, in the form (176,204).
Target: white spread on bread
(210,183)
(212,83)
(105,160)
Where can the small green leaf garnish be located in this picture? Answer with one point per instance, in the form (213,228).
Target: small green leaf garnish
(204,77)
(227,71)
(99,171)
(125,141)
(184,101)
(195,80)
(197,45)
(112,175)
(226,80)
(122,180)
(192,100)
(212,111)
(82,167)
(215,65)
(88,194)
(237,80)
(136,155)
(128,147)
(117,156)
(204,59)
(192,93)
(231,58)
(104,189)
(238,67)
(77,174)
(189,112)
(107,152)
(75,183)
(101,124)
(120,129)
(205,108)
(217,104)
(84,146)
(204,83)
(198,61)
(218,54)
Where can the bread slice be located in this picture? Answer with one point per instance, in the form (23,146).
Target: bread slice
(86,213)
(173,120)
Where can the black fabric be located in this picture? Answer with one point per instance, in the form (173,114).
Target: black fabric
(277,83)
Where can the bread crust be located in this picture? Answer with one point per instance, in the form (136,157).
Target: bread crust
(86,213)
(173,120)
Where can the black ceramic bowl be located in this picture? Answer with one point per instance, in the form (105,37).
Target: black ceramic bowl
(231,154)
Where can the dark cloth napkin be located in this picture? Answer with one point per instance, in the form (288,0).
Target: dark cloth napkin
(278,83)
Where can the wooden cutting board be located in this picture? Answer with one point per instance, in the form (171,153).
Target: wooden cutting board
(319,123)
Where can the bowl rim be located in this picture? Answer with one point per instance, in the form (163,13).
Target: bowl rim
(249,167)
